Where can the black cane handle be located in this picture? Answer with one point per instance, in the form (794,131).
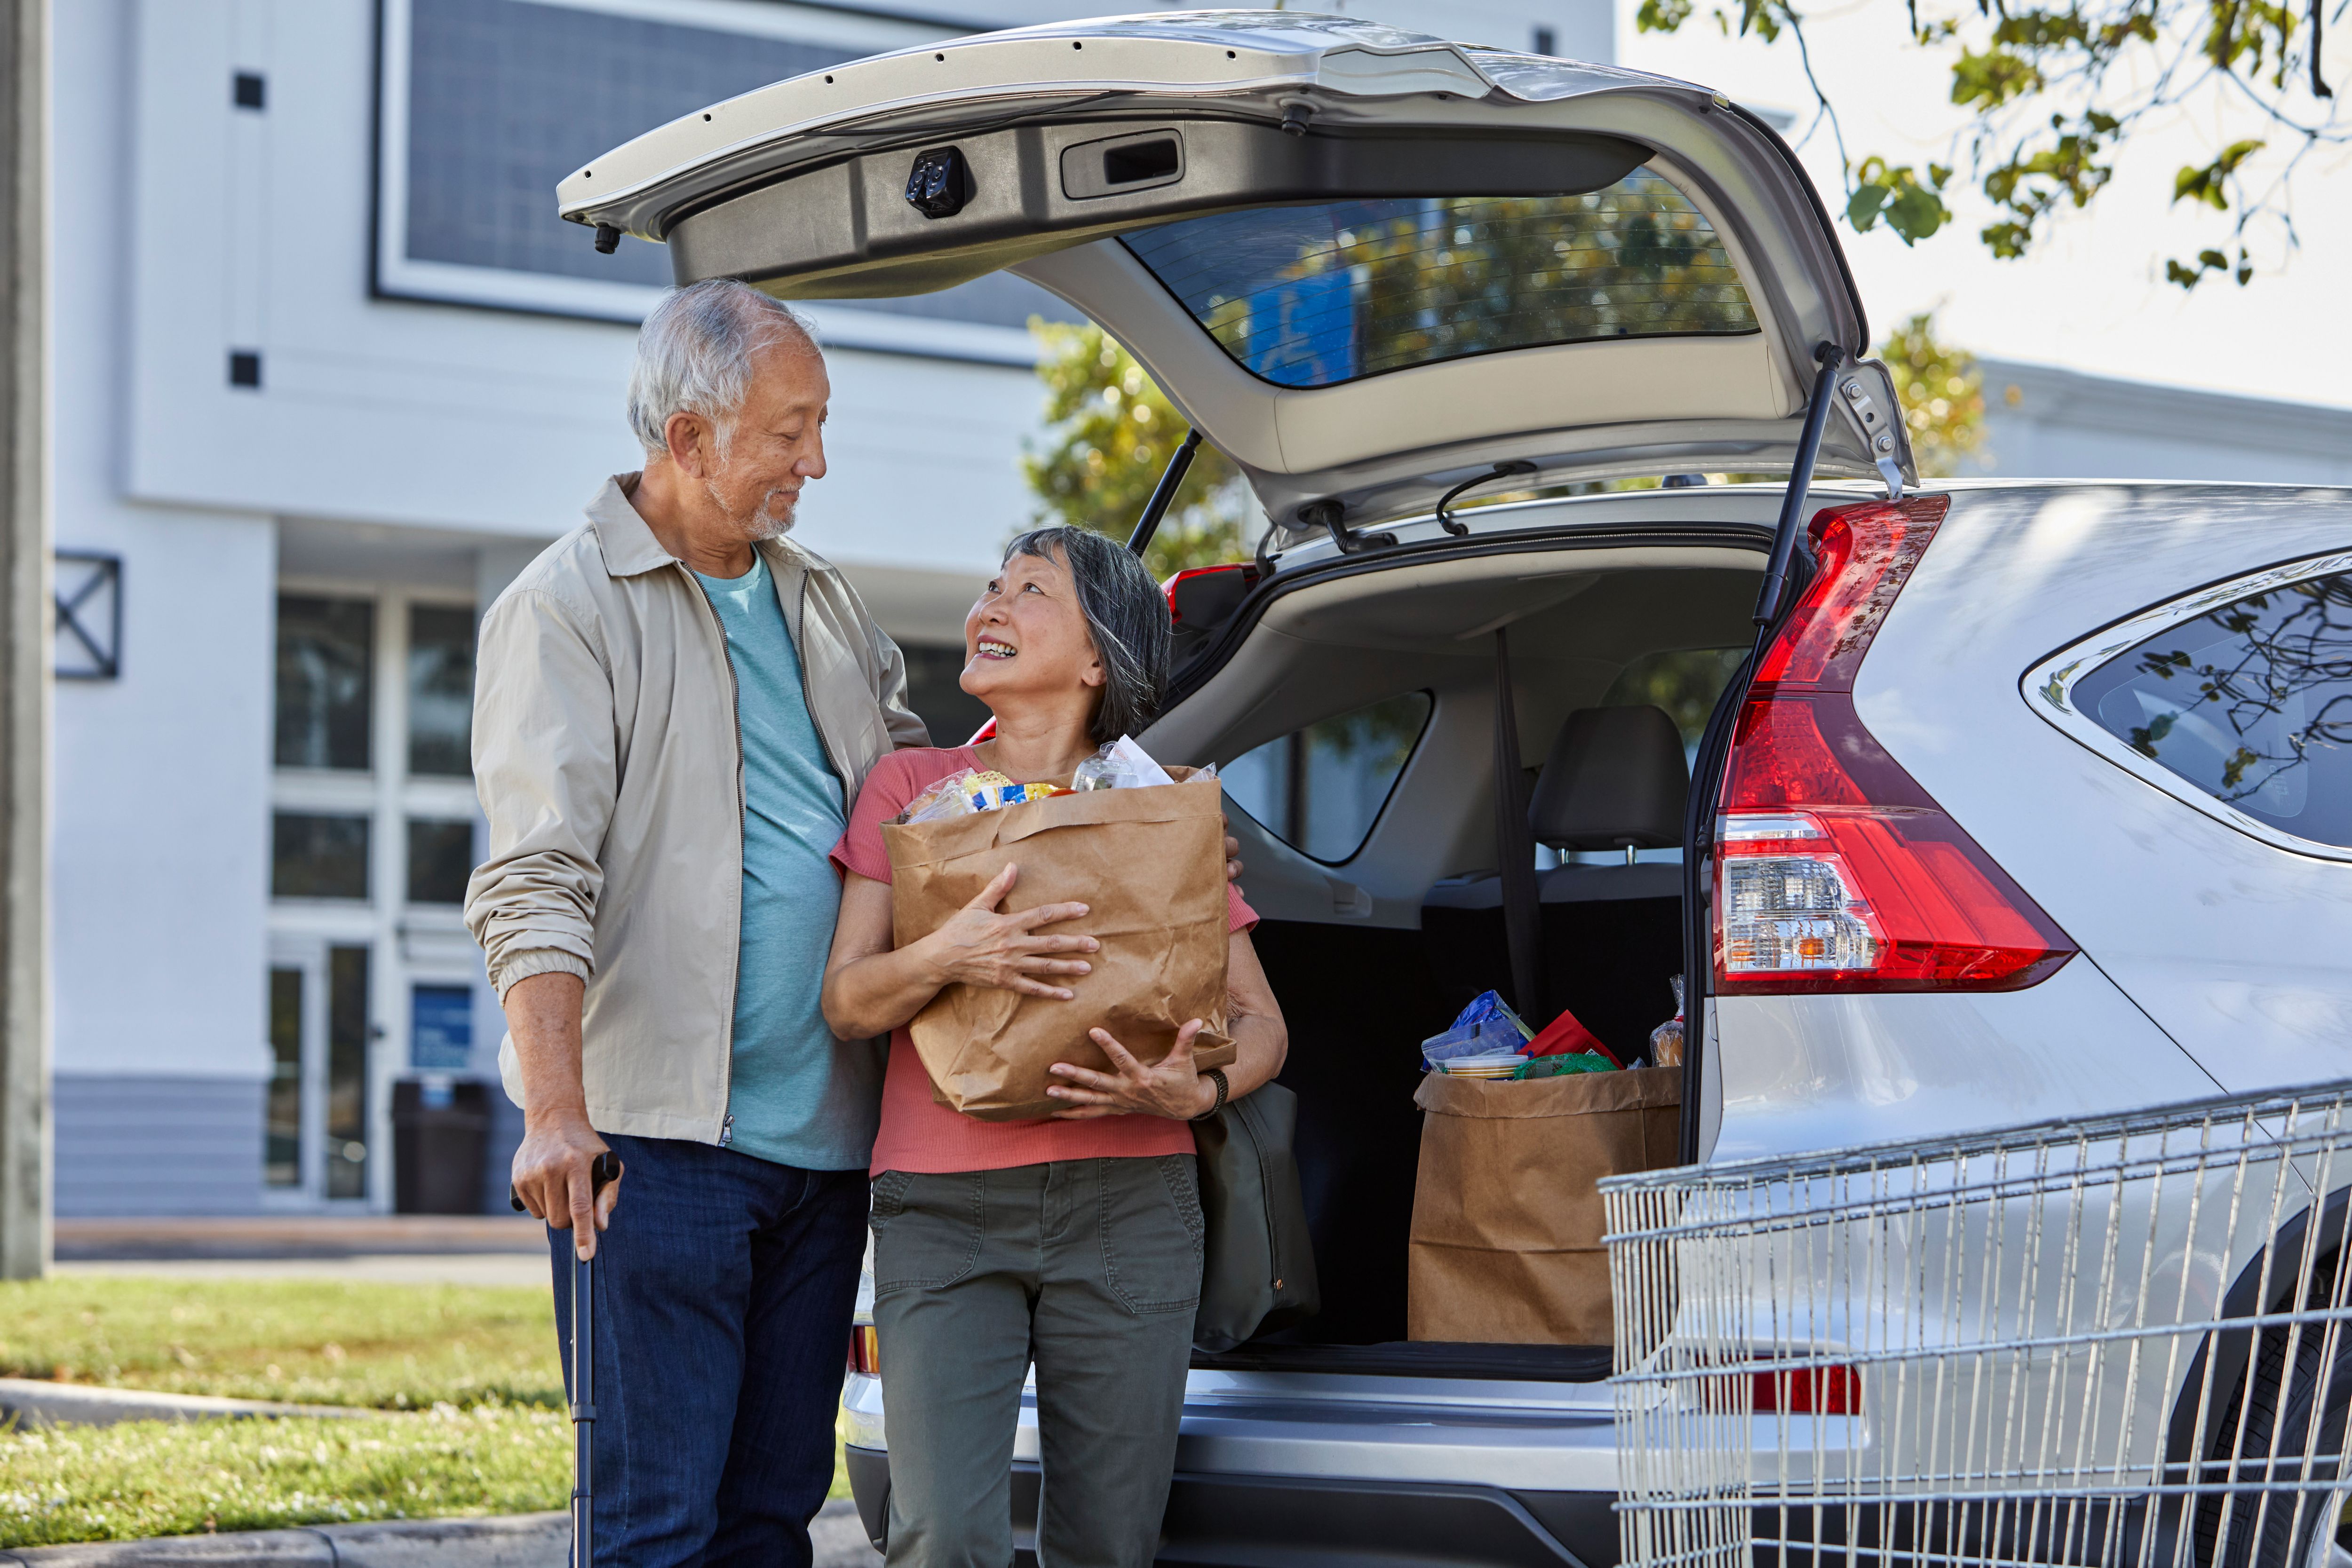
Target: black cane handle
(602,1171)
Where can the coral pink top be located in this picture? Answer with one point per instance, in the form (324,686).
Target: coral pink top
(918,1133)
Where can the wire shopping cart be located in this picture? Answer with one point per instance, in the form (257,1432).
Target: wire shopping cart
(2113,1342)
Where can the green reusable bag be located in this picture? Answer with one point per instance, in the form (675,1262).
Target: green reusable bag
(1257,1264)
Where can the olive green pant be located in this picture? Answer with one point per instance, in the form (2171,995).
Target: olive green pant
(1091,1271)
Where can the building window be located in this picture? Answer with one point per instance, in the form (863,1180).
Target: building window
(282,1155)
(440,859)
(440,690)
(1320,788)
(441,1029)
(481,112)
(349,1034)
(326,655)
(319,855)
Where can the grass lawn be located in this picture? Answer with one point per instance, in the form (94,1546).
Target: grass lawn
(314,1342)
(466,1377)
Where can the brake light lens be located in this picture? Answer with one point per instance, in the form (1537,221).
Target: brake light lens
(864,1351)
(1213,591)
(1809,1391)
(1835,871)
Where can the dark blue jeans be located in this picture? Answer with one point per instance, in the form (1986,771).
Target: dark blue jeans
(724,1295)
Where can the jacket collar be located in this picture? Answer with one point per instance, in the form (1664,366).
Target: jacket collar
(629,547)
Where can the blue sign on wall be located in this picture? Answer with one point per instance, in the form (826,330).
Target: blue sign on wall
(441,1029)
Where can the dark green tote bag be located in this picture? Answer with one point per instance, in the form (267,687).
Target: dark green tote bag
(1257,1265)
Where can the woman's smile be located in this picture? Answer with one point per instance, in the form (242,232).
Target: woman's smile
(995,648)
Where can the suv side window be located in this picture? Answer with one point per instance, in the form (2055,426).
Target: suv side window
(1320,788)
(2251,703)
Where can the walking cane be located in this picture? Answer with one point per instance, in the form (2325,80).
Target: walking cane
(602,1170)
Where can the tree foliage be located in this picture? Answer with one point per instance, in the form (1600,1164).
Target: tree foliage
(1942,392)
(1109,432)
(2057,91)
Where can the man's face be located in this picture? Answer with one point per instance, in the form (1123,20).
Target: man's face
(777,444)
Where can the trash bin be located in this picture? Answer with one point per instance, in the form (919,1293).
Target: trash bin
(440,1130)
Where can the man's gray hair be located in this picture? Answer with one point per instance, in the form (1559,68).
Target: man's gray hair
(1127,614)
(695,355)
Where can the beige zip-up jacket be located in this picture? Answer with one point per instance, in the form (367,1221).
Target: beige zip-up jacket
(610,765)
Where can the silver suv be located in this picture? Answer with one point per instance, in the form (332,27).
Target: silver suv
(2027,800)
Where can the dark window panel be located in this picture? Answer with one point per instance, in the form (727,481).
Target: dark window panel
(440,690)
(1319,789)
(315,856)
(282,1156)
(1685,681)
(946,710)
(347,1033)
(440,859)
(326,650)
(497,115)
(2250,703)
(441,1029)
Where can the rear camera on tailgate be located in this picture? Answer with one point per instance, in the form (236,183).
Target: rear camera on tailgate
(940,182)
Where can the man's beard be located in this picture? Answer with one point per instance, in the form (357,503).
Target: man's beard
(764,522)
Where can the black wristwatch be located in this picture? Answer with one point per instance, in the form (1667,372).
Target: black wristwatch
(1219,1074)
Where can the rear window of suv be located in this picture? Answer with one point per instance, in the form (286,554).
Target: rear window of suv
(2251,703)
(1319,789)
(1317,295)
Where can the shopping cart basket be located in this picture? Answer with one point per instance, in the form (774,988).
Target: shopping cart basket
(2119,1341)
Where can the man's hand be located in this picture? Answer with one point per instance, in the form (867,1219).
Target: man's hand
(979,946)
(1233,852)
(550,1175)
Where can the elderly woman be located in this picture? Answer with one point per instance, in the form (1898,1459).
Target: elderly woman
(1072,1241)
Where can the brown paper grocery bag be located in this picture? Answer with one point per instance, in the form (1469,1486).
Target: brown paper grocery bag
(1149,865)
(1506,1216)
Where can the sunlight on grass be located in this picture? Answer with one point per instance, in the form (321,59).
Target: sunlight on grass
(314,1342)
(466,1377)
(145,1479)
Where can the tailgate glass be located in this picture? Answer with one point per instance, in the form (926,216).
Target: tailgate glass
(1316,296)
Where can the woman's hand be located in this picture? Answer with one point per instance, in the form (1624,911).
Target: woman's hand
(979,946)
(1173,1088)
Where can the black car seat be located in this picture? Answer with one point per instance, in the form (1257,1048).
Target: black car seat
(1616,779)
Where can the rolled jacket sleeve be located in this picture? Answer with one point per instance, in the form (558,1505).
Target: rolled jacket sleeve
(547,772)
(898,716)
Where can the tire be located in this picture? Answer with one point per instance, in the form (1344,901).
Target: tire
(2299,1394)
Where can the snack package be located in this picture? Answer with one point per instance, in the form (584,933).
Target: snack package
(1566,1037)
(1488,1025)
(945,798)
(1558,1064)
(1121,765)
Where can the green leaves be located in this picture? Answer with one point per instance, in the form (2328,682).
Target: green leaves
(2205,185)
(1912,207)
(1661,16)
(2208,262)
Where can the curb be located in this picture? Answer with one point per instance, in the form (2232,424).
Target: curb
(36,1403)
(516,1540)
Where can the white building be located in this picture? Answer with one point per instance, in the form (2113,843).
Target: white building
(329,372)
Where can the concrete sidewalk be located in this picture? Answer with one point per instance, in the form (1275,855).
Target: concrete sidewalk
(394,1248)
(523,1541)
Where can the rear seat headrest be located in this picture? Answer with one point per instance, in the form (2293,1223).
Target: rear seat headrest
(1615,777)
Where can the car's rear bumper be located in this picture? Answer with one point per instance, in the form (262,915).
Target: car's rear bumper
(1293,1521)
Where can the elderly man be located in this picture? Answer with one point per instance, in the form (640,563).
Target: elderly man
(675,706)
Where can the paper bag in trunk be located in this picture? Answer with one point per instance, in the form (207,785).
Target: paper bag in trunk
(1149,865)
(1506,1216)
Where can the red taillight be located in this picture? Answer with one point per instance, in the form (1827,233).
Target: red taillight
(1833,870)
(1809,1391)
(864,1351)
(1205,595)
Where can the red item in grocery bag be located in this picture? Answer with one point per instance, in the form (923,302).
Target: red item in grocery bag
(1566,1037)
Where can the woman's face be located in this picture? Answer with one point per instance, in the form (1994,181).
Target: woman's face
(1026,639)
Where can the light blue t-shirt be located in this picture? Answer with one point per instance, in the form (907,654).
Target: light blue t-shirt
(797,1096)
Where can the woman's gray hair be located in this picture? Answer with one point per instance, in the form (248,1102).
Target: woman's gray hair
(1127,614)
(695,355)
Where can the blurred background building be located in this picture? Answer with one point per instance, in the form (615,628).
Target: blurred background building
(330,371)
